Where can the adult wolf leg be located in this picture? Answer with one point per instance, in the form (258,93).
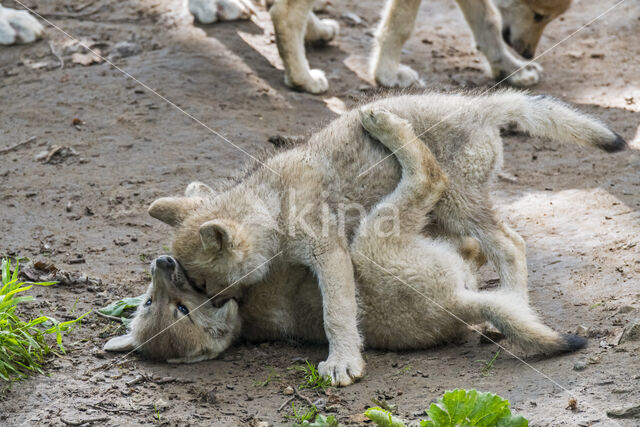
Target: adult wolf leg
(397,23)
(290,21)
(486,24)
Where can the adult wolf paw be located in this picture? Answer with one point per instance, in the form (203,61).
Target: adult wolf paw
(403,76)
(323,31)
(343,371)
(209,11)
(316,82)
(17,26)
(526,76)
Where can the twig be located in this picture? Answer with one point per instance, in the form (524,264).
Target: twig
(84,421)
(306,399)
(286,402)
(55,53)
(106,316)
(116,410)
(18,145)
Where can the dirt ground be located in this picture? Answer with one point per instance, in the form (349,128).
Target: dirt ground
(84,209)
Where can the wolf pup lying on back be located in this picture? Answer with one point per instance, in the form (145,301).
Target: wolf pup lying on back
(413,291)
(295,209)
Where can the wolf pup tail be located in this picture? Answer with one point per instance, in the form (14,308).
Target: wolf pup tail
(547,117)
(518,322)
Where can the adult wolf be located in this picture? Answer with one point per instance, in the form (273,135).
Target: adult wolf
(414,291)
(290,211)
(520,26)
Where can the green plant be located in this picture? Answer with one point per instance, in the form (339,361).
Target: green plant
(383,418)
(272,374)
(23,346)
(312,378)
(301,417)
(320,421)
(123,309)
(488,364)
(466,408)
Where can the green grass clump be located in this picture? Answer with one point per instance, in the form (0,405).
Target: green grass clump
(458,407)
(23,346)
(312,378)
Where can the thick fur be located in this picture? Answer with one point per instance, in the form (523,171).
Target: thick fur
(18,26)
(413,291)
(520,26)
(301,215)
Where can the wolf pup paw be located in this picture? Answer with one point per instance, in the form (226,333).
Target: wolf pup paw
(381,123)
(344,370)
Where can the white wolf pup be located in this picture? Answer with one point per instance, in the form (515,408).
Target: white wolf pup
(303,205)
(413,291)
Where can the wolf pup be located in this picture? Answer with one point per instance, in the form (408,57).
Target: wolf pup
(297,208)
(414,291)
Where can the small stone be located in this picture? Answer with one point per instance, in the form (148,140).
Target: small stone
(629,412)
(580,365)
(125,49)
(161,405)
(626,309)
(631,332)
(211,396)
(288,391)
(582,331)
(261,424)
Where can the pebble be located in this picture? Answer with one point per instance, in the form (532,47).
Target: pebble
(626,309)
(580,365)
(631,332)
(288,391)
(582,331)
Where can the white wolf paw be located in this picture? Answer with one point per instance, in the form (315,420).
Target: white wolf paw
(403,76)
(323,31)
(209,11)
(343,371)
(380,122)
(17,26)
(525,77)
(315,83)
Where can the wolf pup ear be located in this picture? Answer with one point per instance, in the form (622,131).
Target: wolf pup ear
(198,189)
(121,343)
(173,210)
(217,234)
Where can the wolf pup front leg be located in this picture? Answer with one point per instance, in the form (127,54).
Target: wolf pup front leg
(332,265)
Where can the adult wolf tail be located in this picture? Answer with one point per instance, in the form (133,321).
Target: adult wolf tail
(547,117)
(518,322)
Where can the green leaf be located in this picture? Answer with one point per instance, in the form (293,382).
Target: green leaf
(117,308)
(383,418)
(471,408)
(321,421)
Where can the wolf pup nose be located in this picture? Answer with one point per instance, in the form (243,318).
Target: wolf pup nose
(165,262)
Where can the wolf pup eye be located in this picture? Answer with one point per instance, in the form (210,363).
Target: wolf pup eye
(184,310)
(148,303)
